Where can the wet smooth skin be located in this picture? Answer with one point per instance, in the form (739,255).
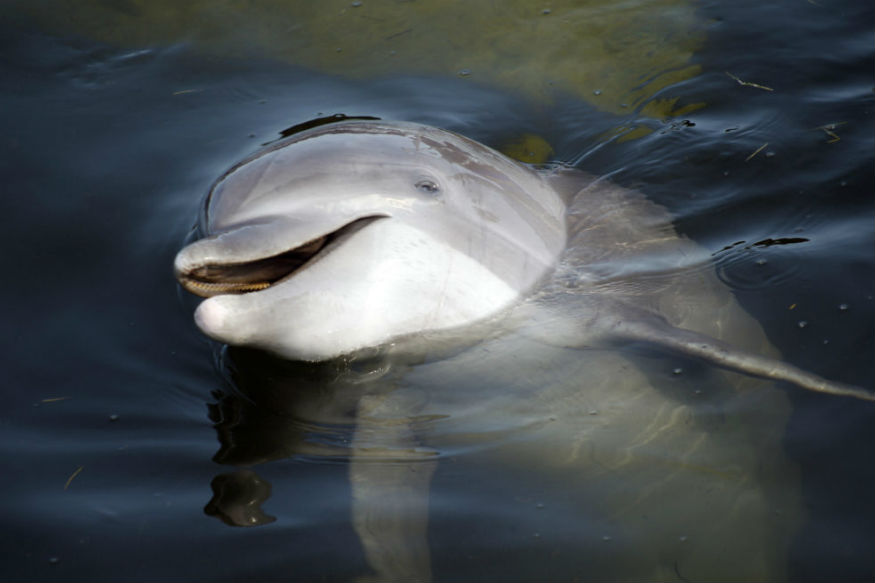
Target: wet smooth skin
(360,234)
(385,230)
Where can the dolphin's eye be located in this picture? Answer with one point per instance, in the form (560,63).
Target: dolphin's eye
(428,186)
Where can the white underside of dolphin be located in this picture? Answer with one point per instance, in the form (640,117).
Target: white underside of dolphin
(387,302)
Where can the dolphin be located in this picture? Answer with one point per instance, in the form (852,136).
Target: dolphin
(425,293)
(359,234)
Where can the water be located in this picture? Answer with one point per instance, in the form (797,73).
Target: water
(111,393)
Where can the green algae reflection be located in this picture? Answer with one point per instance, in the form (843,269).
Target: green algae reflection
(615,55)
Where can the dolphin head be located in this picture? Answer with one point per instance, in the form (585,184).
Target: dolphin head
(357,234)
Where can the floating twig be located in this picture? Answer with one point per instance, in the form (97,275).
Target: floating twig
(828,130)
(73,476)
(757,151)
(748,83)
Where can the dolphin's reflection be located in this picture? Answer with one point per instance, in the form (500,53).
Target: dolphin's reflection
(237,499)
(276,409)
(352,410)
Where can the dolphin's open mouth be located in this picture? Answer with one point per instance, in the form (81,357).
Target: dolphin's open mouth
(258,274)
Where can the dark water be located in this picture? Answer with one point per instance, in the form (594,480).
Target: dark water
(109,389)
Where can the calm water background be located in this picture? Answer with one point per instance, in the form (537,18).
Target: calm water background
(107,152)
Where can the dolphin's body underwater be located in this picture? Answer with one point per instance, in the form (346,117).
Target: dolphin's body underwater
(359,234)
(365,246)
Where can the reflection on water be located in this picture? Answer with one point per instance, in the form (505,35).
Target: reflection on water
(616,56)
(237,499)
(345,411)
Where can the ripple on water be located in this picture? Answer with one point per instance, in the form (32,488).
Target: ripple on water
(759,265)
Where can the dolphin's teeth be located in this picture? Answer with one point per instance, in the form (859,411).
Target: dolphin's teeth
(239,278)
(207,289)
(212,279)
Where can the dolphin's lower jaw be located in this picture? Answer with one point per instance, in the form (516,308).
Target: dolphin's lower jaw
(372,285)
(217,278)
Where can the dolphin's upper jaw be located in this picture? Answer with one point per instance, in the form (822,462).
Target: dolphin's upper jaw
(217,277)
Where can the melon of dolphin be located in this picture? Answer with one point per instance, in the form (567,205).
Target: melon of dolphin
(361,234)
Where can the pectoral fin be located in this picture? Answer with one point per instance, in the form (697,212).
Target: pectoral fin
(601,320)
(655,330)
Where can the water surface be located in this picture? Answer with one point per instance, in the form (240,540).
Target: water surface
(112,395)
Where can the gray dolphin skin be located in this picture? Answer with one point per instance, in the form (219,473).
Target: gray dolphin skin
(357,234)
(360,234)
(365,246)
